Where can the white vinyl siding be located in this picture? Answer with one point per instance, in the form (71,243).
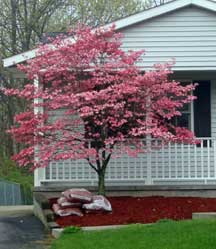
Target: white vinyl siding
(188,35)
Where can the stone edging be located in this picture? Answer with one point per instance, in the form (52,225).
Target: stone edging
(56,232)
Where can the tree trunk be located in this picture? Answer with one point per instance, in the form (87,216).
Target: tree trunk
(13,4)
(101,182)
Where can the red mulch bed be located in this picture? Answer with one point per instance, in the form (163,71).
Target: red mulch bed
(127,210)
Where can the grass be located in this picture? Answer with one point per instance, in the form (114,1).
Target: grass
(11,172)
(162,235)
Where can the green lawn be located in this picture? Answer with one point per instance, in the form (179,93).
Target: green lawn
(162,235)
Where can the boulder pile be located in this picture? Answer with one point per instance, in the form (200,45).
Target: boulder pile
(80,201)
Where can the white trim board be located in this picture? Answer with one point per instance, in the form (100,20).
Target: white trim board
(127,21)
(16,59)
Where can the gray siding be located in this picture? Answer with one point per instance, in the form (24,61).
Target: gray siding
(188,35)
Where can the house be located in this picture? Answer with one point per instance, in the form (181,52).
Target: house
(184,30)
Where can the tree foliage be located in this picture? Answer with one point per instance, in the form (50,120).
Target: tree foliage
(22,26)
(104,98)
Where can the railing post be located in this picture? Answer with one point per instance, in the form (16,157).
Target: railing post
(149,166)
(39,175)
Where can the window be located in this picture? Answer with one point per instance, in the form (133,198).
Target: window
(196,116)
(202,109)
(187,118)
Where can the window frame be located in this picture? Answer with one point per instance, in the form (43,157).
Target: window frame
(191,105)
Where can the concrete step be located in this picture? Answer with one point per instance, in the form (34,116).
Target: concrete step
(207,215)
(48,213)
(42,199)
(53,224)
(56,232)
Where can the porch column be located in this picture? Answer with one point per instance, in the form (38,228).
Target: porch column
(39,173)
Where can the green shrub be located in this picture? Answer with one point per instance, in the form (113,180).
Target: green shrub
(165,220)
(71,229)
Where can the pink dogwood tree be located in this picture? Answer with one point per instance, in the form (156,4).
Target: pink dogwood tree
(104,99)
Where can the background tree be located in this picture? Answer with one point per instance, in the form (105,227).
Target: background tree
(101,107)
(159,2)
(94,12)
(22,23)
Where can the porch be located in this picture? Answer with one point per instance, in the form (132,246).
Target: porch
(172,164)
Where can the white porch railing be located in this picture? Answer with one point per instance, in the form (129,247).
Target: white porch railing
(171,164)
